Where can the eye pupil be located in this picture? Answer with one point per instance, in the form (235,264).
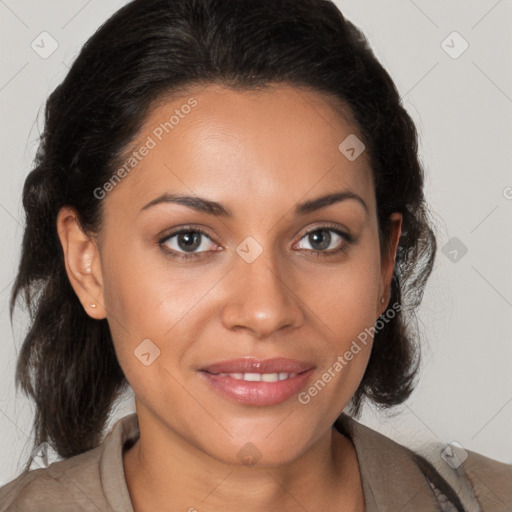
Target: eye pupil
(189,241)
(322,237)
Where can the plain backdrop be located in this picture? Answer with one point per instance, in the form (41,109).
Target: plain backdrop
(458,89)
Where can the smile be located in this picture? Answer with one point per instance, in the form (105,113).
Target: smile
(257,377)
(257,389)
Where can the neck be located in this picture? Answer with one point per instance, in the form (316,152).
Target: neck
(162,468)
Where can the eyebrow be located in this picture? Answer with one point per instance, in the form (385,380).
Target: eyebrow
(203,205)
(323,201)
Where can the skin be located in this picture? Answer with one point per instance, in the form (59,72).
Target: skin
(258,154)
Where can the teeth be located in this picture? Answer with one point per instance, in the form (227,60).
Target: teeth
(252,377)
(257,377)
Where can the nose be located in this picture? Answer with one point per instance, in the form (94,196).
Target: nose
(261,299)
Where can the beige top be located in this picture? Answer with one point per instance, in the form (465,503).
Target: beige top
(392,480)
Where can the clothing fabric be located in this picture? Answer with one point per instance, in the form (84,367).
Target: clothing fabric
(395,479)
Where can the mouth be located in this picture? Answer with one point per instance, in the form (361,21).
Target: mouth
(256,382)
(252,365)
(258,377)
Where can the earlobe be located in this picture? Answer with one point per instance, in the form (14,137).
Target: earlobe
(82,262)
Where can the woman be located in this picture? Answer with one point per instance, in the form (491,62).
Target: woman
(227,215)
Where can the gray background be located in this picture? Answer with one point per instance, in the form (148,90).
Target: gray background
(463,109)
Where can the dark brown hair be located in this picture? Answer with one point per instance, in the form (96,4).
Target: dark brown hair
(152,48)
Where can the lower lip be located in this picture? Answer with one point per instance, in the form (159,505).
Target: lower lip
(257,393)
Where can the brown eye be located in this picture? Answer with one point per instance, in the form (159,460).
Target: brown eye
(187,243)
(327,240)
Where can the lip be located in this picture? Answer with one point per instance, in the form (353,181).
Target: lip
(257,393)
(253,365)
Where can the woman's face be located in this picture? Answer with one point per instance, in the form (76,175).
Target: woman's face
(261,270)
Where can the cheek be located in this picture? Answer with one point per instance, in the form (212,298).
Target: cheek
(344,296)
(152,300)
(343,303)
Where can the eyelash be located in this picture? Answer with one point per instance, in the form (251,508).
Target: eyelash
(348,240)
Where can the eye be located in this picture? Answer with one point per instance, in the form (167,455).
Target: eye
(326,241)
(187,243)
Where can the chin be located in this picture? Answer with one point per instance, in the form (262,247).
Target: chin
(261,448)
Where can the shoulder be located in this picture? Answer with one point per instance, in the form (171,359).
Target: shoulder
(491,480)
(91,481)
(477,482)
(67,483)
(472,481)
(473,476)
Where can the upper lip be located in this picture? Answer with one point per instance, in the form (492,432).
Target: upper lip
(253,365)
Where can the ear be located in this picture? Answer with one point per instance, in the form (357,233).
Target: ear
(388,261)
(82,262)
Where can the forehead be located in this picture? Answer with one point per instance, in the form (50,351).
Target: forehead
(282,142)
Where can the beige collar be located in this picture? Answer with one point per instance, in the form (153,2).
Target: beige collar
(392,482)
(391,479)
